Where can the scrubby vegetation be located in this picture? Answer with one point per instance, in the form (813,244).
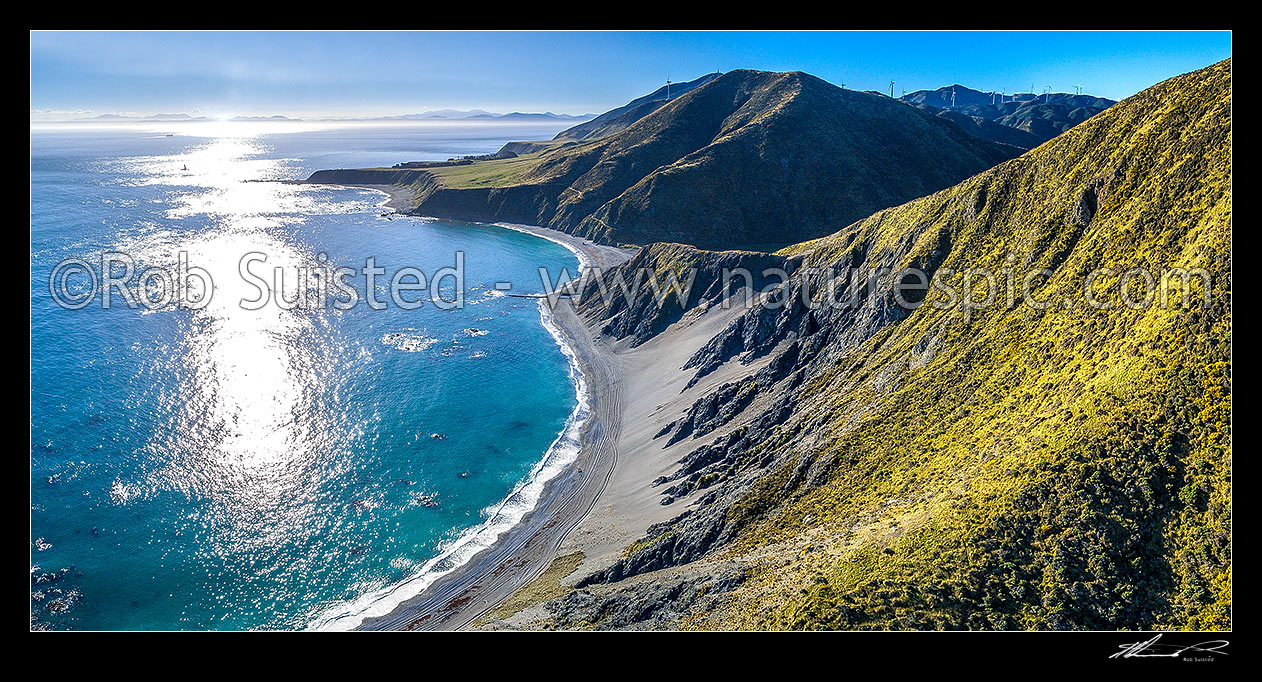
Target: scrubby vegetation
(1014,467)
(1067,468)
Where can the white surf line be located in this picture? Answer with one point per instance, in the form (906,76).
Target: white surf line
(584,259)
(501,517)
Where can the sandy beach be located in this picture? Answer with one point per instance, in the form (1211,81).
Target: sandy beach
(523,552)
(604,500)
(589,253)
(398,199)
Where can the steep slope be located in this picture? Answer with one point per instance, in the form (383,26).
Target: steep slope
(1045,120)
(616,120)
(1043,464)
(987,129)
(750,159)
(797,157)
(608,123)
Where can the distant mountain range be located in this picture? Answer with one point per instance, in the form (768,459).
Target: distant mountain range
(968,97)
(475,114)
(438,114)
(184,117)
(153,117)
(1025,120)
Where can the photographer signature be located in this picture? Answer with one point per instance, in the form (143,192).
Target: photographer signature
(1152,649)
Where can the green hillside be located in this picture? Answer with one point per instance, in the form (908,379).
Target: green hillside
(1007,467)
(749,159)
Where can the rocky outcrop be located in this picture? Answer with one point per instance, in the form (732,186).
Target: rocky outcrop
(654,605)
(899,462)
(372,176)
(517,204)
(663,282)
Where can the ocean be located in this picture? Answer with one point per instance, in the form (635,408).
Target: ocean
(225,468)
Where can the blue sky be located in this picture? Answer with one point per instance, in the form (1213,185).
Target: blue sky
(312,74)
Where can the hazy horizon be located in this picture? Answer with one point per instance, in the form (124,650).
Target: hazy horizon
(363,75)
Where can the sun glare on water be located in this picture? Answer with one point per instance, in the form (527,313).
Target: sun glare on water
(249,432)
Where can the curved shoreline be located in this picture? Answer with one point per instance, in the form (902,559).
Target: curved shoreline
(589,253)
(509,550)
(524,551)
(503,517)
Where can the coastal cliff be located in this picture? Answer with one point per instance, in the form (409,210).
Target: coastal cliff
(879,466)
(433,197)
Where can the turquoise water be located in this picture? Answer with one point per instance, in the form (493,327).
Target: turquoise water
(223,468)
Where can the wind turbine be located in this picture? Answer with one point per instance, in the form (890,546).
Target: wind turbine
(1078,89)
(667,88)
(952,96)
(891,89)
(1047,94)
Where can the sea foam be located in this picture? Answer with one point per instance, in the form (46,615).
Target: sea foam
(499,518)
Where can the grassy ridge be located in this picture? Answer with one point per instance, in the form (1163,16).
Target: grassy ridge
(1067,468)
(749,158)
